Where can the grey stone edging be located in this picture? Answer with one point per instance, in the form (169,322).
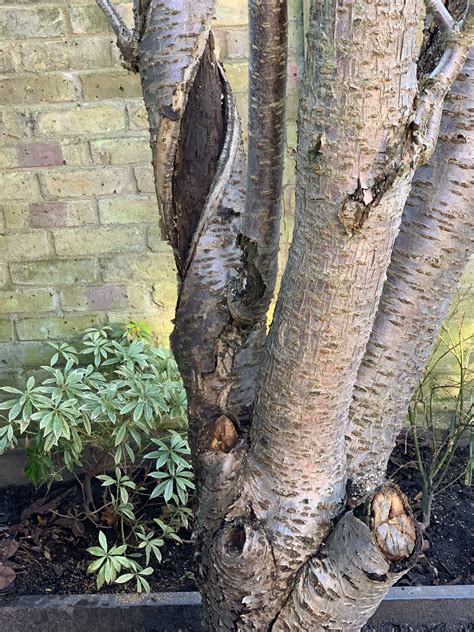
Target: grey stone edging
(415,607)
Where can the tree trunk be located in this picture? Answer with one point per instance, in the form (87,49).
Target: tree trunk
(278,547)
(428,259)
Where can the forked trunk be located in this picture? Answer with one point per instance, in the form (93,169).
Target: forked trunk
(278,547)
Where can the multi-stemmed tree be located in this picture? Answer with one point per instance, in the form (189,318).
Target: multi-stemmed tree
(291,431)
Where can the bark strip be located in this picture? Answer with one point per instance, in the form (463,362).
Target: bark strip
(127,41)
(430,254)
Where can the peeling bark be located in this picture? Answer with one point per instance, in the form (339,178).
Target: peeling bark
(429,256)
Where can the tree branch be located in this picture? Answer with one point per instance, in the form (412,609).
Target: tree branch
(268,25)
(440,14)
(430,101)
(126,39)
(367,552)
(429,256)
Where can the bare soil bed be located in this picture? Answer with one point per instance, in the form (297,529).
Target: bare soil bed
(51,558)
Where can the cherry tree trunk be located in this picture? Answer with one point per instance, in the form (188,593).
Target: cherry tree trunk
(274,419)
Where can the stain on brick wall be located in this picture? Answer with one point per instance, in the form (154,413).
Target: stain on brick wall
(79,237)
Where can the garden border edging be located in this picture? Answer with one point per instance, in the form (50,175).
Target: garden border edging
(180,611)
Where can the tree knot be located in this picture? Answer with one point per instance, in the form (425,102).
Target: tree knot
(224,436)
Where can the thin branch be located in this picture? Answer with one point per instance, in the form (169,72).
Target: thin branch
(126,38)
(430,102)
(440,14)
(268,52)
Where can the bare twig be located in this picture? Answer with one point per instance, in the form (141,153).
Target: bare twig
(126,38)
(441,15)
(430,102)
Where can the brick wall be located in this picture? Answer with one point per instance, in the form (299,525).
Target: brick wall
(79,239)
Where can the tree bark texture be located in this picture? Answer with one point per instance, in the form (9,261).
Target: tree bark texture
(429,256)
(278,548)
(354,168)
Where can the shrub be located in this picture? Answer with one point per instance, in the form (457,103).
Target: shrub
(114,408)
(447,383)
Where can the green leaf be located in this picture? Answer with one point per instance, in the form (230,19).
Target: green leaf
(120,434)
(123,579)
(103,540)
(95,550)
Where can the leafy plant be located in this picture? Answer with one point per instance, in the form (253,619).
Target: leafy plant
(448,378)
(101,407)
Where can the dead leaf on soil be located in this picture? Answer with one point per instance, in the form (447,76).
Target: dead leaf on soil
(8,548)
(7,576)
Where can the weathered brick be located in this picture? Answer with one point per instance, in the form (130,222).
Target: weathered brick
(149,267)
(234,43)
(237,75)
(165,292)
(155,238)
(4,278)
(39,154)
(20,301)
(139,297)
(47,214)
(8,158)
(100,241)
(88,19)
(83,120)
(295,40)
(76,152)
(12,126)
(20,246)
(111,85)
(99,298)
(80,182)
(39,88)
(138,116)
(92,52)
(55,327)
(16,215)
(43,56)
(81,212)
(17,185)
(9,57)
(295,10)
(18,23)
(6,330)
(24,355)
(124,210)
(119,151)
(145,179)
(20,216)
(55,272)
(230,12)
(291,135)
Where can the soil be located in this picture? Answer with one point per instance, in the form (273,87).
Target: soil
(51,557)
